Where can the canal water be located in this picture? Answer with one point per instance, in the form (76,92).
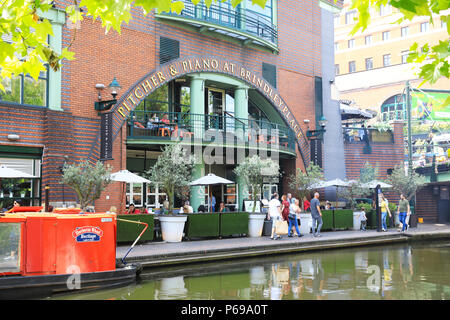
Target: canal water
(406,271)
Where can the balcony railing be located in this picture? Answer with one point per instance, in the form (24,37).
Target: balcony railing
(248,22)
(222,129)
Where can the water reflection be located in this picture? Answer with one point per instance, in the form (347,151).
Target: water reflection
(391,272)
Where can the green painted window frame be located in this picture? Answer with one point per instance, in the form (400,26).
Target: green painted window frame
(44,76)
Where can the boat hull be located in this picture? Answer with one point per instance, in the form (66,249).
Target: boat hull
(41,286)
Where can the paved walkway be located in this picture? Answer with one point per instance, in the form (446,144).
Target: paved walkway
(152,254)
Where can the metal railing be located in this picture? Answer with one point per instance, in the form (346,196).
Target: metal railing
(240,20)
(206,128)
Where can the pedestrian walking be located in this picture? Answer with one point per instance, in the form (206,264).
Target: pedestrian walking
(293,219)
(384,212)
(285,208)
(275,214)
(403,210)
(316,215)
(363,219)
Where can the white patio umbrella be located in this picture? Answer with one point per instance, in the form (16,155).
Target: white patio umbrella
(373,184)
(208,180)
(10,173)
(128,177)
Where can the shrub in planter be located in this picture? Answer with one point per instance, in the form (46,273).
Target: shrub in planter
(343,219)
(202,225)
(327,219)
(128,232)
(232,223)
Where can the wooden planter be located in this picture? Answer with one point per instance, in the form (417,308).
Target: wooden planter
(233,223)
(128,232)
(343,219)
(202,225)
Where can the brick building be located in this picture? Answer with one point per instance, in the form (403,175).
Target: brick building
(216,70)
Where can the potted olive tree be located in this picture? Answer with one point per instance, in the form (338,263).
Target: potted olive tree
(358,189)
(254,170)
(407,183)
(172,172)
(87,180)
(303,183)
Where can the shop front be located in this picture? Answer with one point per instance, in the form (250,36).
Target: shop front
(222,112)
(25,191)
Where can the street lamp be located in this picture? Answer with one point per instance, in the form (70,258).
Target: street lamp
(102,105)
(318,134)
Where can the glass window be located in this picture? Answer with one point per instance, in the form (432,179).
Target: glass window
(336,46)
(351,43)
(26,90)
(134,194)
(386,60)
(385,9)
(405,55)
(337,19)
(350,17)
(386,35)
(185,99)
(369,63)
(231,196)
(336,69)
(13,88)
(10,234)
(34,93)
(266,12)
(352,66)
(404,31)
(259,21)
(424,26)
(368,39)
(155,198)
(25,190)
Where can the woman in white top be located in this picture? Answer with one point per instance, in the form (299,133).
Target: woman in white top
(293,219)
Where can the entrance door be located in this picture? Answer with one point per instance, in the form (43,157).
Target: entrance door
(444,204)
(214,107)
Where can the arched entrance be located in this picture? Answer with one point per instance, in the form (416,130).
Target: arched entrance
(193,65)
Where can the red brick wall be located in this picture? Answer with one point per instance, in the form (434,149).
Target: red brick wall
(384,156)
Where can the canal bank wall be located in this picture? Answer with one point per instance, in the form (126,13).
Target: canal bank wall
(158,254)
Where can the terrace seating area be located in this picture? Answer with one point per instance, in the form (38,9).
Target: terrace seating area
(177,125)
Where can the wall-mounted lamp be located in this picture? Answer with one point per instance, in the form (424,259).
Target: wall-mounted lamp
(13,137)
(317,134)
(114,87)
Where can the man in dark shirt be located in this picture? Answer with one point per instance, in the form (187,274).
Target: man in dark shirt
(316,215)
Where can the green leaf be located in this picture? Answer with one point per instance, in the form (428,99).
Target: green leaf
(177,6)
(66,54)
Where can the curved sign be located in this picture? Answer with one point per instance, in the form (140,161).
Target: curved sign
(189,65)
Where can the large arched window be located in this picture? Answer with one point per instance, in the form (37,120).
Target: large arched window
(393,108)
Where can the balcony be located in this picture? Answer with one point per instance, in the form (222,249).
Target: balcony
(246,26)
(156,127)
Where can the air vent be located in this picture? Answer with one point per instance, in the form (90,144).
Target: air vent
(169,49)
(269,72)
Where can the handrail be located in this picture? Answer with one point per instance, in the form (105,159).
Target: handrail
(226,112)
(197,124)
(248,21)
